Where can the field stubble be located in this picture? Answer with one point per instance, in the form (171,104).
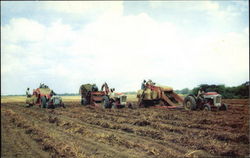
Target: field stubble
(78,131)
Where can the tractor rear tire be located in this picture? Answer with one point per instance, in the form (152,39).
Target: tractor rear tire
(223,107)
(189,103)
(43,102)
(207,107)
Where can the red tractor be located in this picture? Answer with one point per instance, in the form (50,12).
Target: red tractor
(44,97)
(207,101)
(90,95)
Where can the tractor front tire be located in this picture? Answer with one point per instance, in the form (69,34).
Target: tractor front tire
(189,103)
(223,107)
(207,107)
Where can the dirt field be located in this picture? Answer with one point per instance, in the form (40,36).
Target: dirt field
(78,131)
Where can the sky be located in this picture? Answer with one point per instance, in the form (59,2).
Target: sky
(180,44)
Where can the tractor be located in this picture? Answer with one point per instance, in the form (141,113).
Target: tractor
(44,97)
(118,100)
(103,98)
(207,101)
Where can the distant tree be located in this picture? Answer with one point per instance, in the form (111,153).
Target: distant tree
(195,91)
(241,91)
(183,91)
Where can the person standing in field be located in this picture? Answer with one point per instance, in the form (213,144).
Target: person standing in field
(28,92)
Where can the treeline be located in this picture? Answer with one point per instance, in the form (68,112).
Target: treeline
(237,92)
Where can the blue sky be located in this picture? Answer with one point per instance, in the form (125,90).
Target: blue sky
(175,43)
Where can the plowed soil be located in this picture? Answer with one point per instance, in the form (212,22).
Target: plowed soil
(78,131)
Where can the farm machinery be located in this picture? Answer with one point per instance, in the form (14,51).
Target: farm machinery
(159,95)
(206,101)
(165,97)
(105,98)
(44,97)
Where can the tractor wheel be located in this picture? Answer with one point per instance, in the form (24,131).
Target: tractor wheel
(83,101)
(43,102)
(207,107)
(223,107)
(189,103)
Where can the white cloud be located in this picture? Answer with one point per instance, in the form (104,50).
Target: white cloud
(22,30)
(59,32)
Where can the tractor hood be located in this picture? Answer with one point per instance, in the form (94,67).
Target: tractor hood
(211,93)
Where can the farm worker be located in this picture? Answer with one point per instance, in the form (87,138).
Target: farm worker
(201,92)
(200,95)
(28,92)
(41,85)
(52,93)
(111,93)
(143,86)
(106,102)
(94,88)
(150,82)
